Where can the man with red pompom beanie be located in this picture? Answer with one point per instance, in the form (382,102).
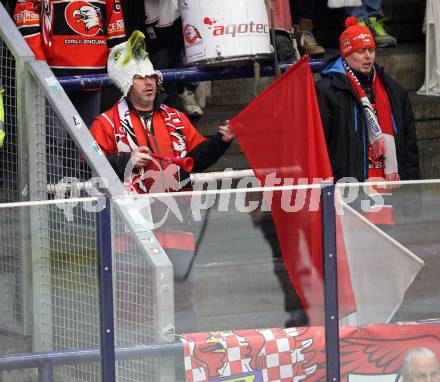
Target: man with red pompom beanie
(367,117)
(356,36)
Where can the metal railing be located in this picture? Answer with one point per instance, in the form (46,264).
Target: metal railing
(77,313)
(58,138)
(46,362)
(188,74)
(147,362)
(14,264)
(71,357)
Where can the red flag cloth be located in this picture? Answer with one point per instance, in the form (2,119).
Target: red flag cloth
(281,134)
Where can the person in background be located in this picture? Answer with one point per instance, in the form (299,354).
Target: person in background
(140,124)
(282,23)
(367,118)
(420,365)
(73,37)
(302,11)
(370,13)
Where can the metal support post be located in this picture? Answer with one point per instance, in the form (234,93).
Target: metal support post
(106,294)
(330,282)
(45,372)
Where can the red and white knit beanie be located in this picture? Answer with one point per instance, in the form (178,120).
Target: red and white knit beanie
(355,37)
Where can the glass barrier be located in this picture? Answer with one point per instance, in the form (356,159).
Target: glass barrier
(236,309)
(389,234)
(207,285)
(55,294)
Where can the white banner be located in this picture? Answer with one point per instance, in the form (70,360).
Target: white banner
(381,269)
(432,66)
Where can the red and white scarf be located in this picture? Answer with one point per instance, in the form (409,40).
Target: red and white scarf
(126,138)
(379,122)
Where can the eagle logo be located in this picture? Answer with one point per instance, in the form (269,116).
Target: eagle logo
(84,18)
(191,34)
(218,355)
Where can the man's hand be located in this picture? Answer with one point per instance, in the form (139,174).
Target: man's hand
(378,148)
(393,177)
(226,132)
(140,157)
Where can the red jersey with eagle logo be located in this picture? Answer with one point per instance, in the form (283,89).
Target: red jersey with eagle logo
(72,36)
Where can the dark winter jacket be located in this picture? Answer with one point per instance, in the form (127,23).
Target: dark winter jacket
(346,131)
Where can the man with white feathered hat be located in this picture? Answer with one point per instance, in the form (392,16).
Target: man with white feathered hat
(133,133)
(139,125)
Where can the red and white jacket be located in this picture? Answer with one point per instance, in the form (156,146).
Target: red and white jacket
(73,36)
(111,136)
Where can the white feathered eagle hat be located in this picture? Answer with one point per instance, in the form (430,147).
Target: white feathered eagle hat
(128,59)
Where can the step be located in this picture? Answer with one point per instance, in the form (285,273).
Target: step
(236,92)
(219,321)
(427,117)
(213,117)
(216,115)
(251,287)
(405,63)
(429,153)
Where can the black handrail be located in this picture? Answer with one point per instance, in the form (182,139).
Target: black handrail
(190,74)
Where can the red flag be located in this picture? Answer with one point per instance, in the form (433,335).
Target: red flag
(281,134)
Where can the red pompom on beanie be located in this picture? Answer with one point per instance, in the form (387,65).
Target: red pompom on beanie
(355,37)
